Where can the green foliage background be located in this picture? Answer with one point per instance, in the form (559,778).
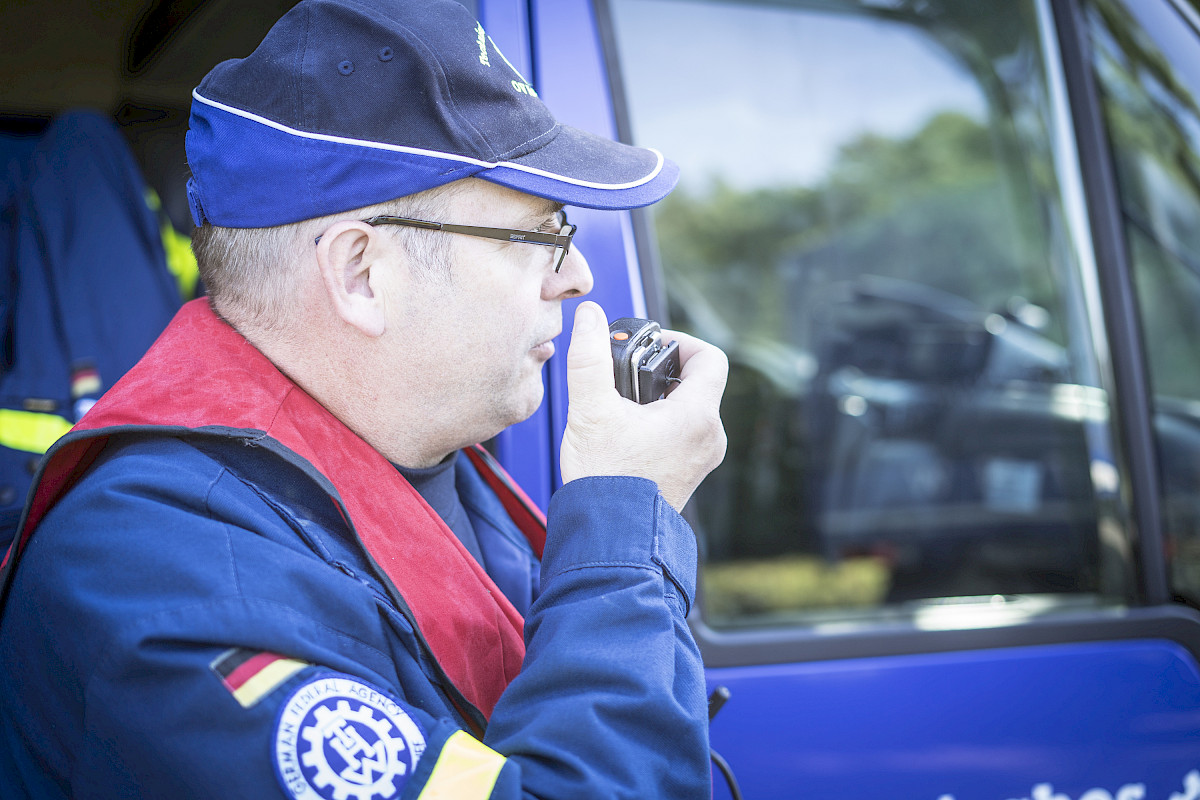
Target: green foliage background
(937,207)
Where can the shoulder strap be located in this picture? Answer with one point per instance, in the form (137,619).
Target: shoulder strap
(523,511)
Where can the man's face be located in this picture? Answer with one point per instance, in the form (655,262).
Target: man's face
(481,334)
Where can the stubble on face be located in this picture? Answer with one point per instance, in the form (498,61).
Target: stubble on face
(476,343)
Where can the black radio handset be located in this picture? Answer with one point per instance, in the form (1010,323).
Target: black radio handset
(644,367)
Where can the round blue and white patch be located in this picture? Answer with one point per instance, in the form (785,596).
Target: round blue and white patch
(338,738)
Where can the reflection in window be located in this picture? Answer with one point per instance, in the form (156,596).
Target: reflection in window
(869,224)
(1147,60)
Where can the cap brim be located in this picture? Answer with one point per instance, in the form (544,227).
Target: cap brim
(578,168)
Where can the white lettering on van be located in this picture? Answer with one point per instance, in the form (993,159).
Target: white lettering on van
(1191,787)
(1130,791)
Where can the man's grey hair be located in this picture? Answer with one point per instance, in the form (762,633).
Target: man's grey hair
(251,274)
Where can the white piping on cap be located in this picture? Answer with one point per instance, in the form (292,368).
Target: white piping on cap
(434,153)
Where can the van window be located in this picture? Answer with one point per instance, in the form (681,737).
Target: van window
(875,223)
(1147,62)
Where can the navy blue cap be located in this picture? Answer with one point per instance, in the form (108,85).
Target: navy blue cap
(347,103)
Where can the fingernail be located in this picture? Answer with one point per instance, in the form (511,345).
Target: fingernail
(587,317)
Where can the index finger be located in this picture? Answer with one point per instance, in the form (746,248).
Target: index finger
(704,368)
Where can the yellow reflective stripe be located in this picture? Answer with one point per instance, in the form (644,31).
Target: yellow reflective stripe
(177,247)
(181,261)
(466,769)
(29,430)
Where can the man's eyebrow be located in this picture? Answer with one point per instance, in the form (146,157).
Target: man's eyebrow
(542,212)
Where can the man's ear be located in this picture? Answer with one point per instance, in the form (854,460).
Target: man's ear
(349,256)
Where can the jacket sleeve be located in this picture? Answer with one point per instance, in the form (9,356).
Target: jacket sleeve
(610,699)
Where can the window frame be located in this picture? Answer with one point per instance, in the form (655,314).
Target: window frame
(1152,613)
(1133,401)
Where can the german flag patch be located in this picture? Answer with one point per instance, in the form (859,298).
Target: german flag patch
(250,675)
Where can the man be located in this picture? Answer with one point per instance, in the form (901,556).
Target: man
(265,565)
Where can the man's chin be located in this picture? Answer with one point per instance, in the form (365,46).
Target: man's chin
(521,408)
(533,402)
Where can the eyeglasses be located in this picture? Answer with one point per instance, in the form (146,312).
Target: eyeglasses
(560,240)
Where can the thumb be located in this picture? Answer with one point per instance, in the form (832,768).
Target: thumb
(589,358)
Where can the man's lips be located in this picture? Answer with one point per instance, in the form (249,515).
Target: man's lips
(544,349)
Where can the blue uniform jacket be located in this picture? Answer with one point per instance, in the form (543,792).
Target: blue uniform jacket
(194,619)
(84,286)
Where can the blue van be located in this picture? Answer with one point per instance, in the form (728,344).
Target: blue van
(952,248)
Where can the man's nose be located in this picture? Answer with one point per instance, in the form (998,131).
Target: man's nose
(573,279)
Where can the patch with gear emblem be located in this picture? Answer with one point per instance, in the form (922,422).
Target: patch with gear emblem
(338,738)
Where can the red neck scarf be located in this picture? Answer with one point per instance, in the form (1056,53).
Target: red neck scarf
(201,372)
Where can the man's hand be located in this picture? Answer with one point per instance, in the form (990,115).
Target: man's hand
(675,441)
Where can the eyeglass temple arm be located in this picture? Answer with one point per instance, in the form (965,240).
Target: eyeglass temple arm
(503,234)
(506,234)
(408,223)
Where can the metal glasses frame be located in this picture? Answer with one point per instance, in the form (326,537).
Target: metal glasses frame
(562,239)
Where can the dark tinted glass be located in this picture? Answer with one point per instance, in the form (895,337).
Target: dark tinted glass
(1147,62)
(879,220)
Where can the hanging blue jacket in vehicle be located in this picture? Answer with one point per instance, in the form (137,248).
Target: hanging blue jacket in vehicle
(202,613)
(84,288)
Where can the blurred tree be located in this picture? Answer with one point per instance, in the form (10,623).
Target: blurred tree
(934,207)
